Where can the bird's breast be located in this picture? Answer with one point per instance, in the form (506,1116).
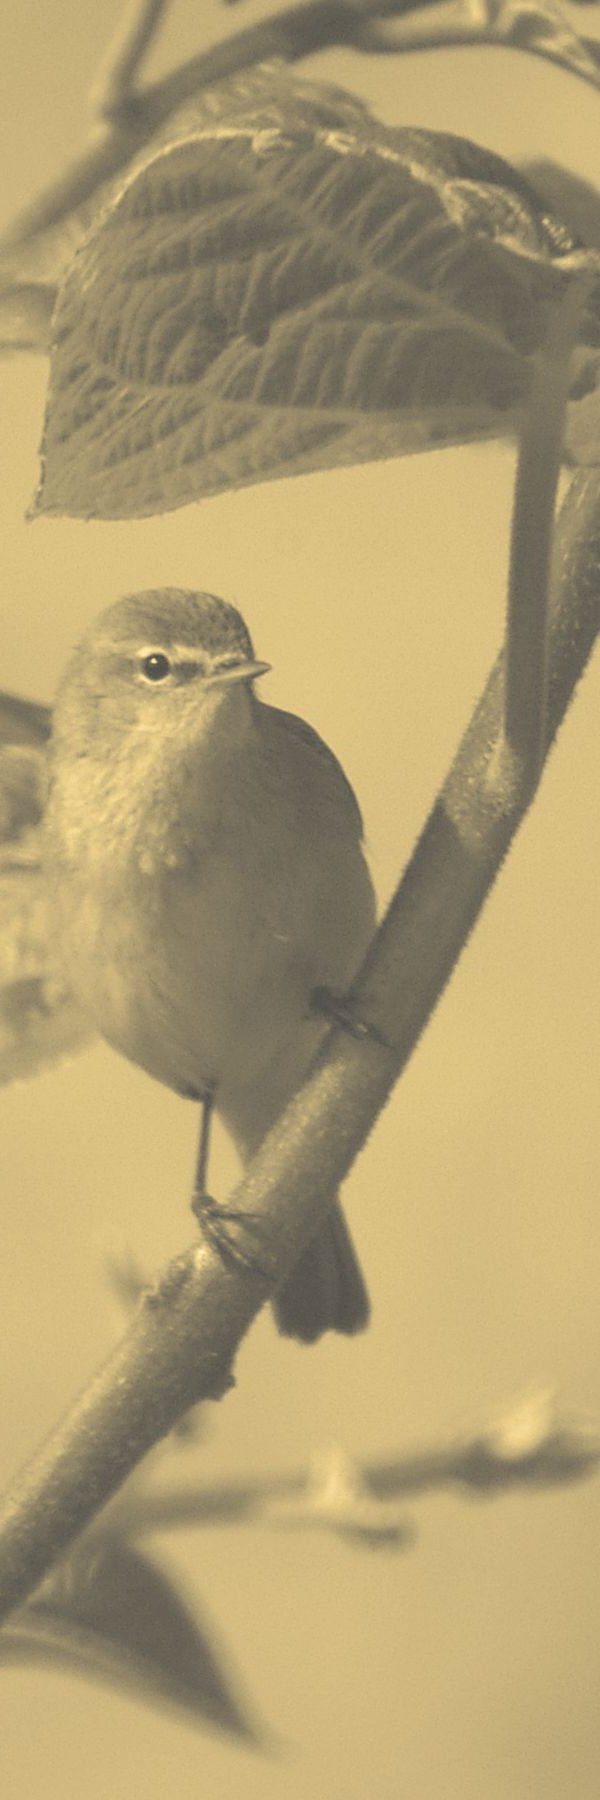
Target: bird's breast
(195,918)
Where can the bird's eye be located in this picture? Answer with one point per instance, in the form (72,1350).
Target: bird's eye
(155,666)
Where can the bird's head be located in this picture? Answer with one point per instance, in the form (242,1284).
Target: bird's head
(161,661)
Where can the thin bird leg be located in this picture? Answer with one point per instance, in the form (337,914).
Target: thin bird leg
(200,1189)
(340,1011)
(222,1225)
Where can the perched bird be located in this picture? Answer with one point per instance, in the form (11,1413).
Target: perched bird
(205,874)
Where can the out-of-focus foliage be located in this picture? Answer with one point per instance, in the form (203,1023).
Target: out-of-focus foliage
(39,1022)
(110,1613)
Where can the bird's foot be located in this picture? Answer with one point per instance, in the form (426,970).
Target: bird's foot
(231,1233)
(340,1011)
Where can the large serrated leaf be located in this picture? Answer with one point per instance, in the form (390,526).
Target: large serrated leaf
(39,1021)
(289,286)
(111,1614)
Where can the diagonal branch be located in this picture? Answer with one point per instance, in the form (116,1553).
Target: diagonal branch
(181,1344)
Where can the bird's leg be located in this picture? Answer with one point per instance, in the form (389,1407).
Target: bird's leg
(216,1220)
(201,1200)
(340,1011)
(200,1190)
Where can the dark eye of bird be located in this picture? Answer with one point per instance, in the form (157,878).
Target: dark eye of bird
(156,666)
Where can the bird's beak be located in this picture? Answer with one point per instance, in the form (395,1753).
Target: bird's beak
(242,671)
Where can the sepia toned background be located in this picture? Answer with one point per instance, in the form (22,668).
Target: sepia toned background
(467,1666)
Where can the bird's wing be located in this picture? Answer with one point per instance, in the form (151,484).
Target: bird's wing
(311,738)
(39,1022)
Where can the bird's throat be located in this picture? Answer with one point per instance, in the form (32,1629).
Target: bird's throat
(160,795)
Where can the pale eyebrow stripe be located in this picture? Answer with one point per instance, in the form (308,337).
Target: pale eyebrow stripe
(176,653)
(132,647)
(185,653)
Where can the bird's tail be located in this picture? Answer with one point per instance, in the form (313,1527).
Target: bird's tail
(325,1291)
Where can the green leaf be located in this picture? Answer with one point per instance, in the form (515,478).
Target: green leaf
(111,1614)
(39,1022)
(289,286)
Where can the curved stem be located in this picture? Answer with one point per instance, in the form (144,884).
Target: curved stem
(293,33)
(134,114)
(461,32)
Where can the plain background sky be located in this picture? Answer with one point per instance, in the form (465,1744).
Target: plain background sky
(466,1668)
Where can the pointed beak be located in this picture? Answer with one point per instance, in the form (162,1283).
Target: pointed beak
(241,671)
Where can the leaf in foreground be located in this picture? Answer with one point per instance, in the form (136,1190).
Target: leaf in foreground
(111,1614)
(288,286)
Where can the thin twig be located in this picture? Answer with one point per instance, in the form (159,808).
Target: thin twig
(180,1346)
(514,1452)
(290,35)
(134,114)
(457,31)
(116,84)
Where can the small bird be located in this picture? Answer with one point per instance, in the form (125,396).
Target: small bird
(206,878)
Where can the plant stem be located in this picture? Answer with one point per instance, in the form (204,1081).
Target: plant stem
(115,86)
(457,28)
(539,463)
(134,114)
(293,33)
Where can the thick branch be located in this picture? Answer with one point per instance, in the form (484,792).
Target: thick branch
(182,1342)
